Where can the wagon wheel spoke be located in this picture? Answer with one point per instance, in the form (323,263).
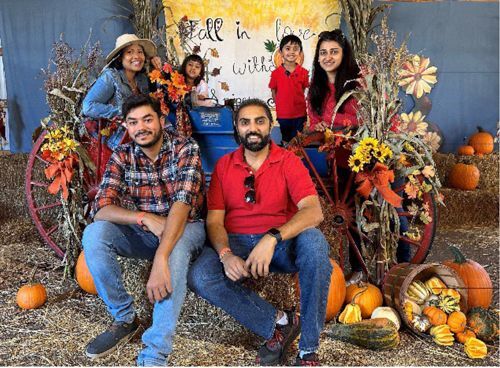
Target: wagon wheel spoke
(39,184)
(348,188)
(48,206)
(415,243)
(316,175)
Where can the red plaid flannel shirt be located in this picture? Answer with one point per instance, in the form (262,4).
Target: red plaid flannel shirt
(176,175)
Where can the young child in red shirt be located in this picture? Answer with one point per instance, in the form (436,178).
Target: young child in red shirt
(288,83)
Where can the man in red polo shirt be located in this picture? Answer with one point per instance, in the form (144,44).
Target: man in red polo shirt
(263,209)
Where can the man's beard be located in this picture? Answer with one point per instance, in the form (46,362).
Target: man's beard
(255,146)
(156,138)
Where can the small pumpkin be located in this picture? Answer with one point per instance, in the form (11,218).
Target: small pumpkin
(421,323)
(31,296)
(83,276)
(484,323)
(464,335)
(435,285)
(476,279)
(442,335)
(464,176)
(475,349)
(466,150)
(457,321)
(482,142)
(435,315)
(350,314)
(366,295)
(389,313)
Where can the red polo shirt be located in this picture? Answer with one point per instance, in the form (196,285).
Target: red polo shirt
(280,183)
(290,101)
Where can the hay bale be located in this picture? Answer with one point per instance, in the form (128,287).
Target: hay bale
(278,289)
(468,208)
(488,166)
(12,174)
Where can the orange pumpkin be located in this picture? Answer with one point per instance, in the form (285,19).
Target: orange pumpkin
(457,321)
(463,176)
(31,296)
(83,276)
(435,315)
(466,150)
(336,291)
(464,335)
(476,279)
(366,295)
(482,142)
(278,59)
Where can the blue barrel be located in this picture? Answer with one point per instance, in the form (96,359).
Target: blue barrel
(213,130)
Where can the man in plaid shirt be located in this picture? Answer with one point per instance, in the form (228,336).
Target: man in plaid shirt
(160,172)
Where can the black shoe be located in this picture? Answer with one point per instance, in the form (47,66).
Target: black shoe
(310,360)
(273,351)
(110,339)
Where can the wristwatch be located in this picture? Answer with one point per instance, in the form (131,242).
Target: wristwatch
(275,233)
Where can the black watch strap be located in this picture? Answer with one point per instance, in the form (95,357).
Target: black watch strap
(275,233)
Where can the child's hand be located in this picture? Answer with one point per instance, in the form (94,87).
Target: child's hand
(321,126)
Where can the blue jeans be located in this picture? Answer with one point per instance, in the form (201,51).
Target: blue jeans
(103,241)
(306,254)
(290,127)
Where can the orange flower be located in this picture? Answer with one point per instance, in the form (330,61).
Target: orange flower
(157,77)
(178,80)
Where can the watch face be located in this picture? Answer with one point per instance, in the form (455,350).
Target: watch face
(274,231)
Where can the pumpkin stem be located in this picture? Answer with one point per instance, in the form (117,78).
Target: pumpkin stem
(459,257)
(480,129)
(359,292)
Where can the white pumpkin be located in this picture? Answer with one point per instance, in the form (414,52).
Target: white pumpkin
(387,312)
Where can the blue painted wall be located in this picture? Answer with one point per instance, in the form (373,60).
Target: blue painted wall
(28,28)
(461,39)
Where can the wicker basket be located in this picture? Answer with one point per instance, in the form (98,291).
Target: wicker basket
(400,276)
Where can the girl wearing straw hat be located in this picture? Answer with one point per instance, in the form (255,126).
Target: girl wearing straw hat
(123,76)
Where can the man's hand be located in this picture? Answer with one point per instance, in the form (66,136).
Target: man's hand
(234,267)
(159,285)
(260,257)
(156,62)
(154,223)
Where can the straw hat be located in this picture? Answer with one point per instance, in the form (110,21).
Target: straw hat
(128,39)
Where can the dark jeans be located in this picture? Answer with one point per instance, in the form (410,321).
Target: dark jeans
(290,127)
(306,254)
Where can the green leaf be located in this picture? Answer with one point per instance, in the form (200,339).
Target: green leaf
(270,45)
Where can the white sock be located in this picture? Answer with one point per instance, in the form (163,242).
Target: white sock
(302,353)
(283,320)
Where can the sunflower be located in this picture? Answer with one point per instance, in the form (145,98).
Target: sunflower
(413,123)
(369,142)
(356,162)
(417,77)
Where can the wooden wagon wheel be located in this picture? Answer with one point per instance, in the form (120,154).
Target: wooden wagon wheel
(44,208)
(339,195)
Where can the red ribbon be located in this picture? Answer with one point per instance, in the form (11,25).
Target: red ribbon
(379,177)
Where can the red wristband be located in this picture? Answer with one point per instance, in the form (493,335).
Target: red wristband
(140,217)
(223,252)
